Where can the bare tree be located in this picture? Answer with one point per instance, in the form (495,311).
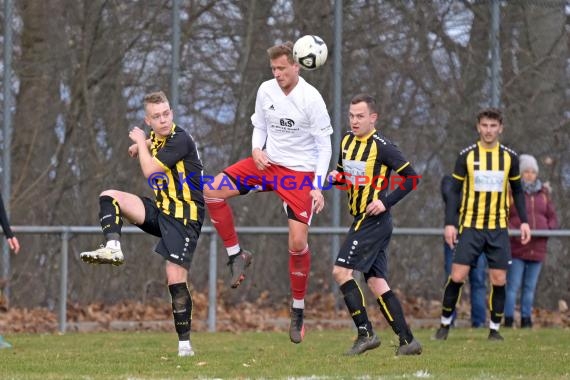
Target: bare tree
(82,68)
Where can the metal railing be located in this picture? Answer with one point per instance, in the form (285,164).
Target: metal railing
(66,232)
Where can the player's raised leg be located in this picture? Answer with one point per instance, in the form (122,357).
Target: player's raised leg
(113,205)
(215,195)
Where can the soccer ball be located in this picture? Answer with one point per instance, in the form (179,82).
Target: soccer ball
(310,52)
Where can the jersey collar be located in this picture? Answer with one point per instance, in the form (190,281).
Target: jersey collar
(488,149)
(154,136)
(366,137)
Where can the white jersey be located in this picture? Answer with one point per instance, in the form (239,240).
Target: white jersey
(291,123)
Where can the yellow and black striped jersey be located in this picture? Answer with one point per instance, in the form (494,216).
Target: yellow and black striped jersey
(179,192)
(365,165)
(485,174)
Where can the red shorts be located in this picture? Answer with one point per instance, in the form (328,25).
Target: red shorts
(293,187)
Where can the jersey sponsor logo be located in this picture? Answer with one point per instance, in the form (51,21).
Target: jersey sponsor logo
(327,129)
(489,180)
(355,172)
(354,168)
(272,108)
(285,122)
(298,274)
(284,126)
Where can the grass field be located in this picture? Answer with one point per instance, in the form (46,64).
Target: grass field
(525,354)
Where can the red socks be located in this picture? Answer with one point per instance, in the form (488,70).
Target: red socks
(223,219)
(299,261)
(299,268)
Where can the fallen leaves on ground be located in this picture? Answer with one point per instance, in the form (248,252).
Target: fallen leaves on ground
(323,312)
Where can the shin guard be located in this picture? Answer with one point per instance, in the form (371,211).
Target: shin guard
(181,309)
(392,310)
(451,297)
(497,303)
(110,217)
(354,300)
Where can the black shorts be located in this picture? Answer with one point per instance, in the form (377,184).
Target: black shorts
(178,241)
(494,243)
(365,247)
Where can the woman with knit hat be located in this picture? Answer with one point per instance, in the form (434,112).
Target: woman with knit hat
(527,259)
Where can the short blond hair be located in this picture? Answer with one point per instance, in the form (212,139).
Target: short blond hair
(277,51)
(155,98)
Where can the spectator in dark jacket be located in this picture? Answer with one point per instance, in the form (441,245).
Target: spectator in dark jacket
(527,259)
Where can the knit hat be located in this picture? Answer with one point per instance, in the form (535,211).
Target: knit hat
(528,162)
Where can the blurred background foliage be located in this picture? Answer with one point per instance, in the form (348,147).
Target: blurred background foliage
(81,68)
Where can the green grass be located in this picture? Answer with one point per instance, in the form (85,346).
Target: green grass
(525,354)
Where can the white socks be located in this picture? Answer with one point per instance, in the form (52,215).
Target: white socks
(494,326)
(298,304)
(114,244)
(184,348)
(446,321)
(233,250)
